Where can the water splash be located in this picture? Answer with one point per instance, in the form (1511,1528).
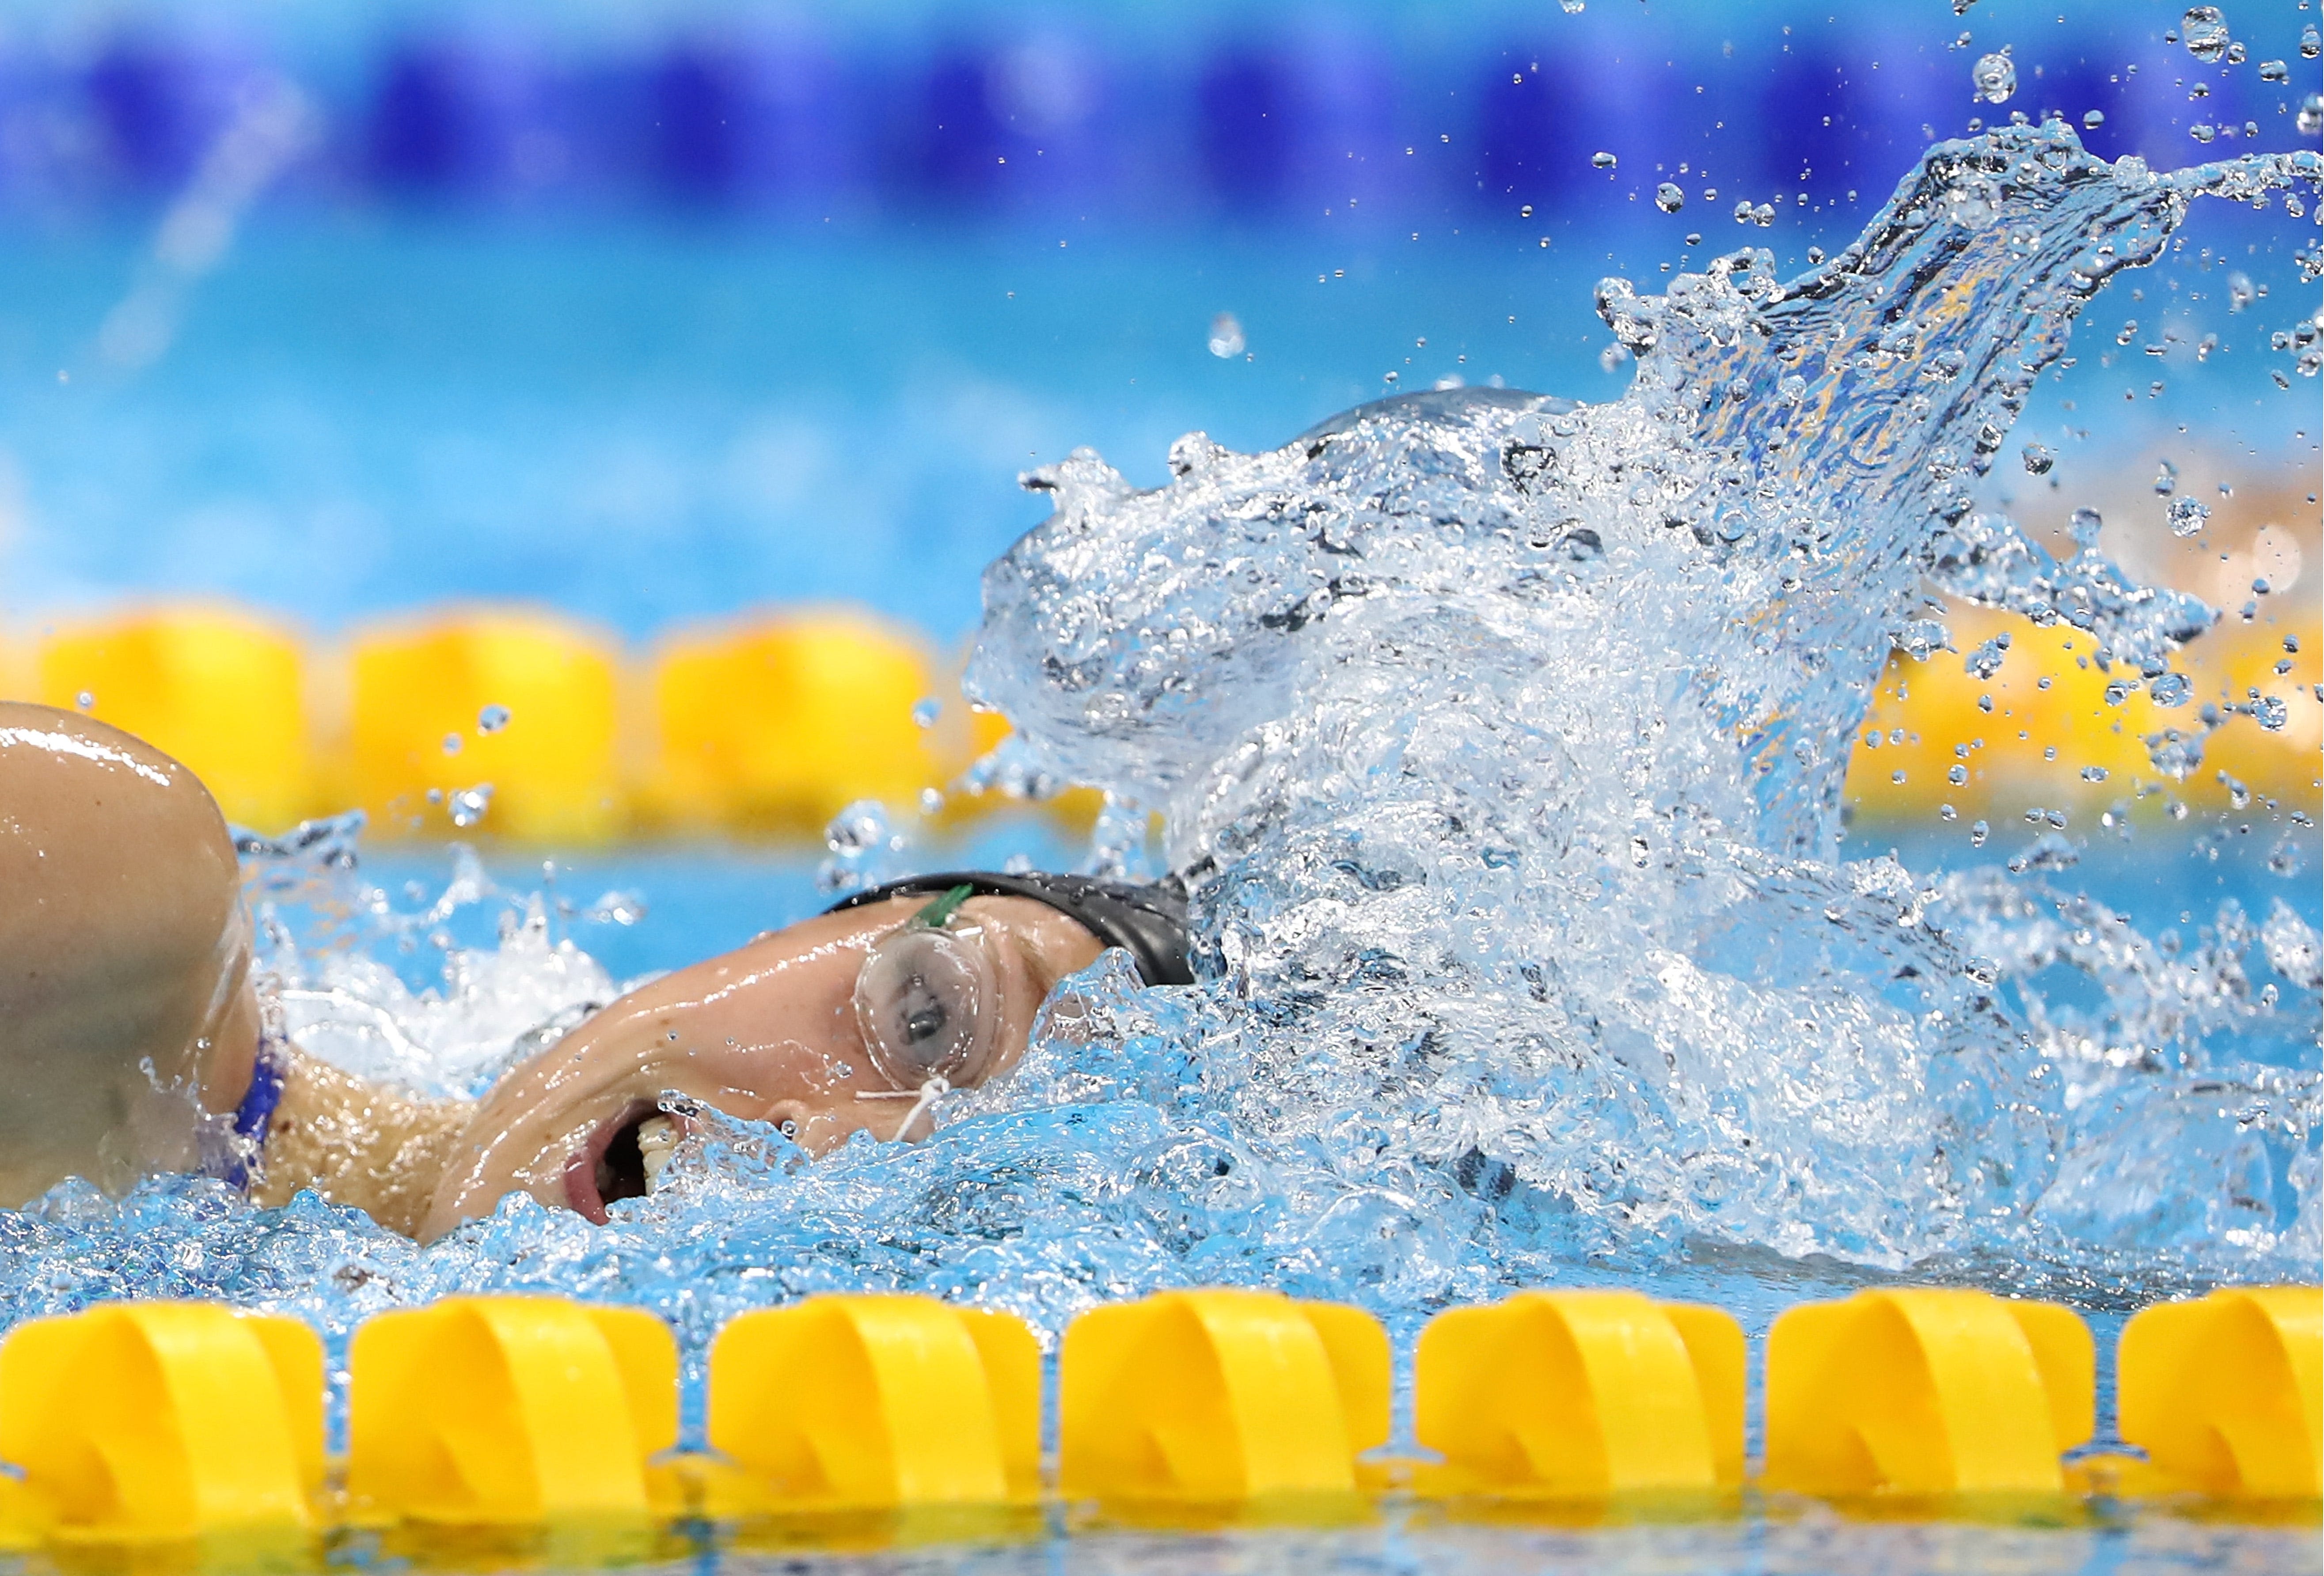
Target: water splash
(1504,739)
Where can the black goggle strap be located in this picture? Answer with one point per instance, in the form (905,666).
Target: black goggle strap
(938,913)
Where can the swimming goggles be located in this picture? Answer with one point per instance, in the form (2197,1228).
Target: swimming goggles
(927,1000)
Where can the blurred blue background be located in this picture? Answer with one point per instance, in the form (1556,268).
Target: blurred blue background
(653,312)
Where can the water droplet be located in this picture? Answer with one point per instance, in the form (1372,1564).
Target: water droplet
(925,711)
(1977,832)
(1957,774)
(2188,516)
(2204,31)
(2274,71)
(1669,197)
(1994,77)
(491,719)
(2039,457)
(2093,118)
(1526,212)
(2203,131)
(2287,859)
(2171,689)
(1602,160)
(2309,43)
(467,806)
(1226,341)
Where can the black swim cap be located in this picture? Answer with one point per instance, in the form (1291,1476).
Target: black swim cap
(1148,922)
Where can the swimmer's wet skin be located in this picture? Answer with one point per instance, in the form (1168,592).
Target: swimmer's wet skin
(133,1037)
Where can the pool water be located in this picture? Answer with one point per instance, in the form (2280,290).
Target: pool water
(1509,780)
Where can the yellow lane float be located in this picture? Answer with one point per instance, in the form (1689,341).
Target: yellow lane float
(522,703)
(2051,726)
(769,726)
(775,727)
(160,1423)
(1580,1395)
(873,1403)
(509,1411)
(1218,1398)
(221,690)
(1924,1391)
(147,1422)
(2224,1394)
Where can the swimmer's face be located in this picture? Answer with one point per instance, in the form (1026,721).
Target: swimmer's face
(793,1029)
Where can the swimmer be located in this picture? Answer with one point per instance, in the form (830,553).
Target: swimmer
(133,1036)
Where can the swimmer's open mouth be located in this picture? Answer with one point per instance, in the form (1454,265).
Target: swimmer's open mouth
(622,1159)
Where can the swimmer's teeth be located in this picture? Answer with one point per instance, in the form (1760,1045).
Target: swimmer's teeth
(656,1142)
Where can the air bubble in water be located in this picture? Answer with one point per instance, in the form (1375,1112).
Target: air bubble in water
(1571,7)
(1602,160)
(2171,690)
(925,711)
(2094,774)
(2204,31)
(2166,479)
(2312,115)
(1978,831)
(1669,197)
(2039,458)
(2093,118)
(2274,71)
(491,719)
(1226,341)
(1995,77)
(2188,516)
(86,700)
(451,744)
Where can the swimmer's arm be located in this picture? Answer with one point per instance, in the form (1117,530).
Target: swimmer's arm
(379,1149)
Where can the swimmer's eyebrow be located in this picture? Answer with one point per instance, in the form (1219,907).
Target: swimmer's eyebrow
(68,744)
